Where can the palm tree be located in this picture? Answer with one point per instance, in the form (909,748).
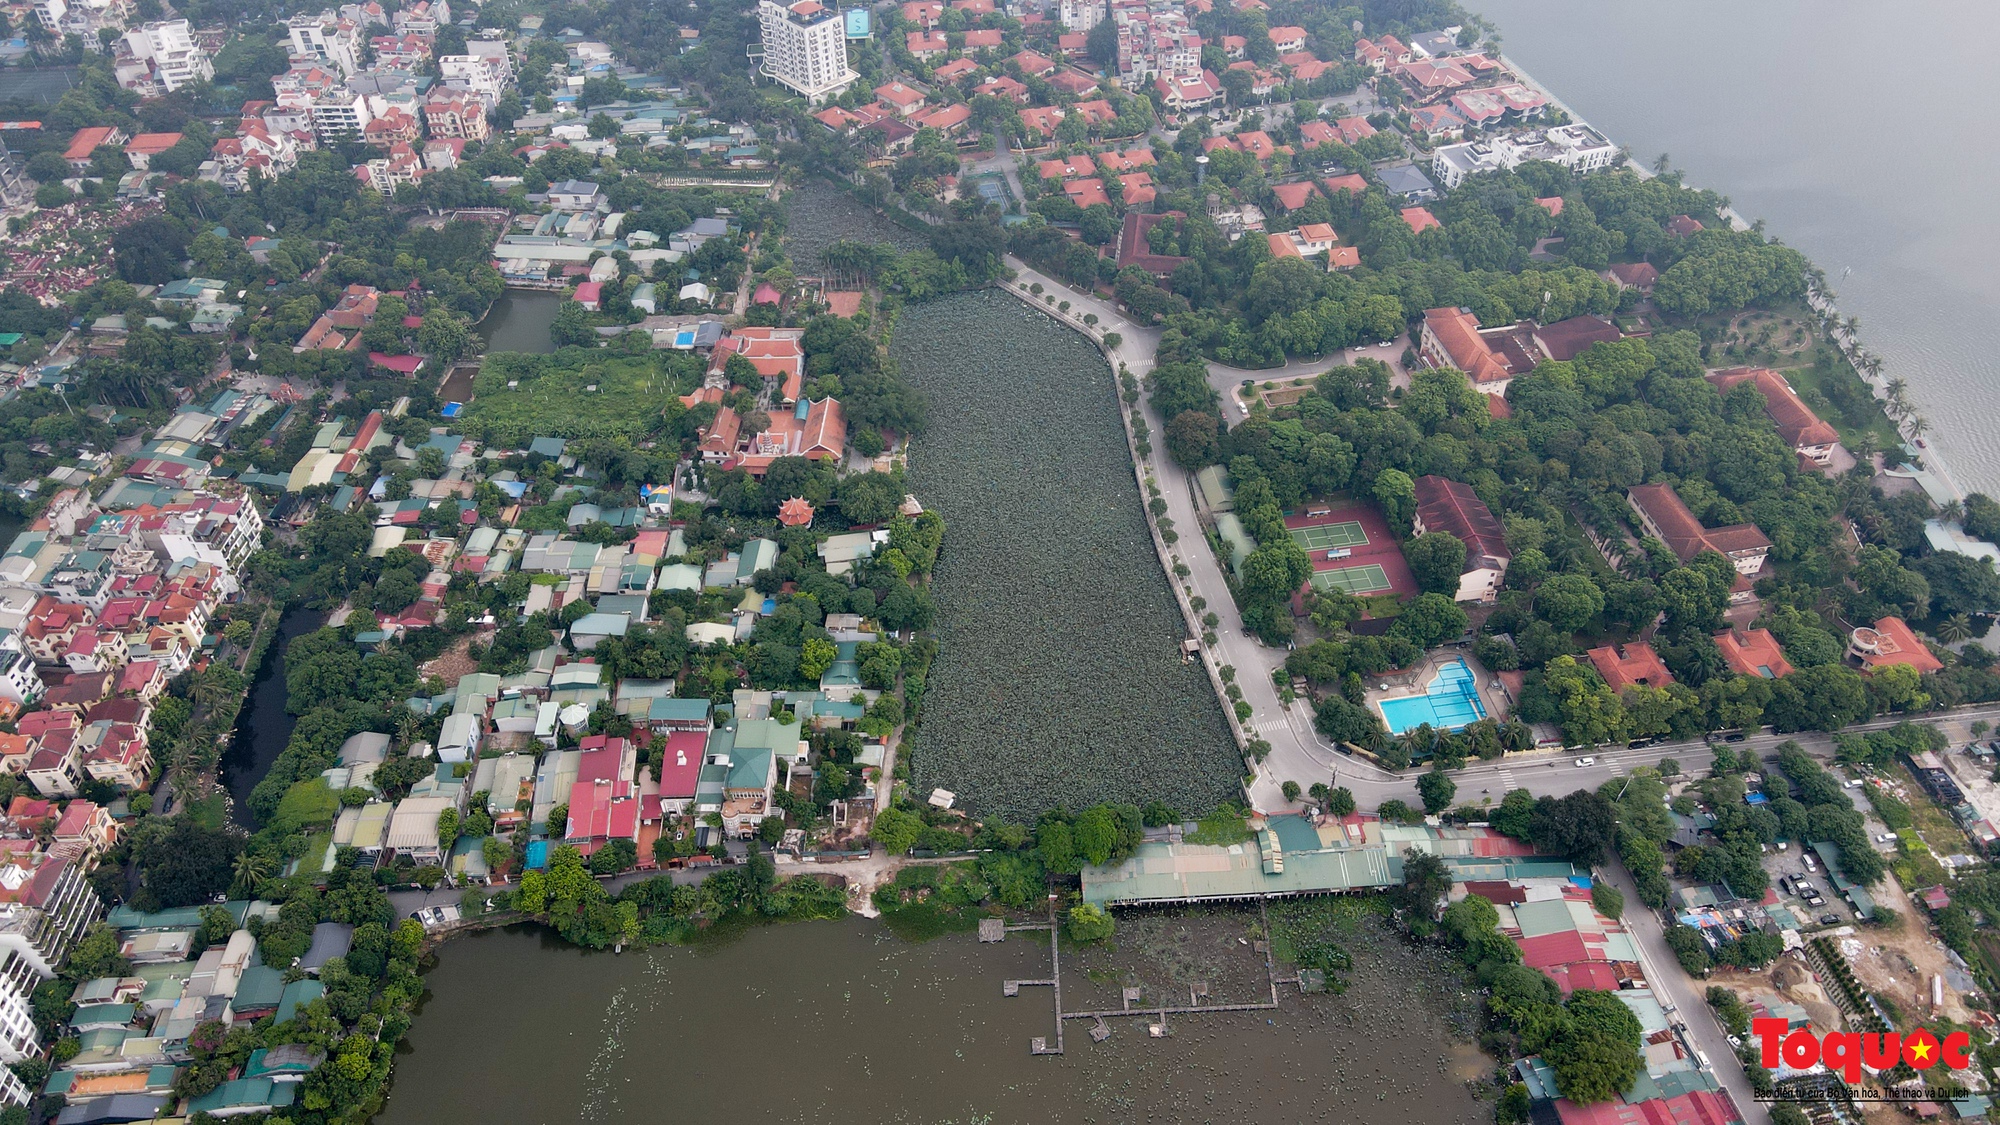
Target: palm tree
(252,868)
(1951,511)
(1956,628)
(1874,365)
(1853,325)
(1916,425)
(1661,163)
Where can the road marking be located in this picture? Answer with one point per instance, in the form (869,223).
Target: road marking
(1266,726)
(1507,781)
(1617,770)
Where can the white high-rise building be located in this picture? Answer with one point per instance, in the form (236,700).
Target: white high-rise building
(1082,15)
(805,47)
(327,38)
(170,50)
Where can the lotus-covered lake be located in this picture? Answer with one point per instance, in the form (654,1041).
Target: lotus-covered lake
(1058,679)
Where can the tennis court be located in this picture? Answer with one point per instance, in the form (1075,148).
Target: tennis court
(1322,536)
(1368,578)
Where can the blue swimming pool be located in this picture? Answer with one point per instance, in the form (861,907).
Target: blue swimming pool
(1450,701)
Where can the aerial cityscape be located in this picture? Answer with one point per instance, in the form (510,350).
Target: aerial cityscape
(1050,560)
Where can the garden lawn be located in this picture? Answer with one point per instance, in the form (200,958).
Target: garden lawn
(552,396)
(1058,679)
(1812,386)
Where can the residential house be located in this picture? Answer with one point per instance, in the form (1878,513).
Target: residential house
(1450,507)
(1753,652)
(1889,642)
(1802,429)
(1666,517)
(1630,665)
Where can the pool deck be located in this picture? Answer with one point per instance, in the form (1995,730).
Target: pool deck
(1414,680)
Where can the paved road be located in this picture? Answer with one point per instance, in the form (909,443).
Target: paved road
(1298,753)
(1228,380)
(1673,988)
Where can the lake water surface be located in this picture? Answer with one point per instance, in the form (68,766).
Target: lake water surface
(842,1022)
(1862,155)
(519,322)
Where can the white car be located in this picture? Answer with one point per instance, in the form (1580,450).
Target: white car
(1582,762)
(1886,838)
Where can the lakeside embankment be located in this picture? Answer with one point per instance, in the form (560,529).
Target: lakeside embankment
(1906,242)
(1933,475)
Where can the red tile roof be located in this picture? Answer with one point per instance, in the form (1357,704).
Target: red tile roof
(1294,196)
(1794,419)
(1682,533)
(1457,331)
(1451,507)
(1753,652)
(1420,219)
(1892,642)
(1636,664)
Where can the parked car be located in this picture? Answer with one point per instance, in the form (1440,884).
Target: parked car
(1886,838)
(1736,737)
(1829,919)
(1815,901)
(1785,883)
(1581,762)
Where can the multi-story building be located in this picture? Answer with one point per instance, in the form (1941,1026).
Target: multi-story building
(327,38)
(422,18)
(254,152)
(400,168)
(19,681)
(45,907)
(84,18)
(1082,15)
(160,58)
(456,118)
(805,47)
(340,115)
(485,75)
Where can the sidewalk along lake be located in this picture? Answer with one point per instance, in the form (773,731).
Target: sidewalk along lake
(264,726)
(841,1022)
(1059,678)
(519,322)
(1853,172)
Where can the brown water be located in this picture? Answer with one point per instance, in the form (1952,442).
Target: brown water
(842,1022)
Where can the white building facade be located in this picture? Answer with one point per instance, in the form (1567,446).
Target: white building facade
(805,47)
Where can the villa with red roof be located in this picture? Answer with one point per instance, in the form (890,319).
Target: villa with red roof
(1451,338)
(1288,38)
(1634,664)
(1890,642)
(1451,507)
(904,99)
(1802,429)
(1033,63)
(1753,652)
(1294,196)
(1066,167)
(1420,219)
(1665,517)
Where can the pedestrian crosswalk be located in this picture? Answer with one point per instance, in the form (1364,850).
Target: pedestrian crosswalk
(1507,782)
(1616,769)
(1269,726)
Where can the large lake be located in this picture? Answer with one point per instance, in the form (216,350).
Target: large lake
(1864,155)
(837,1022)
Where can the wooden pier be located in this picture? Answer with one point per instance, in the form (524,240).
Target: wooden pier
(1100,1030)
